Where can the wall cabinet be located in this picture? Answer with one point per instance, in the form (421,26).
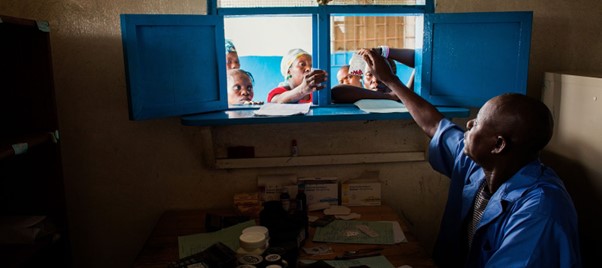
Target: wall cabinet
(33,219)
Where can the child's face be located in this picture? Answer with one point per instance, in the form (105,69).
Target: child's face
(300,67)
(240,89)
(345,78)
(370,81)
(342,75)
(232,61)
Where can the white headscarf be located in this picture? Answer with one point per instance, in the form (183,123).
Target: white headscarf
(289,59)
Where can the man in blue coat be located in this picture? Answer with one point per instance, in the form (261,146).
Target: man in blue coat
(505,208)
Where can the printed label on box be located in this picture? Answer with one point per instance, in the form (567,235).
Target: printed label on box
(361,194)
(321,190)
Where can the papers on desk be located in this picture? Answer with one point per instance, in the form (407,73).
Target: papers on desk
(339,231)
(282,109)
(376,261)
(381,106)
(195,243)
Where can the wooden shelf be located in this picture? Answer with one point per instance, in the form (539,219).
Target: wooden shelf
(317,160)
(8,149)
(212,161)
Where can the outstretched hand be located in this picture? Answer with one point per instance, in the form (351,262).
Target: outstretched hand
(314,80)
(377,65)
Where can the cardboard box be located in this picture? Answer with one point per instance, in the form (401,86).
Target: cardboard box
(321,190)
(271,185)
(361,193)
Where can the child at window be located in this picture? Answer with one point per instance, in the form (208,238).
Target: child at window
(350,94)
(300,80)
(371,83)
(240,87)
(345,78)
(231,56)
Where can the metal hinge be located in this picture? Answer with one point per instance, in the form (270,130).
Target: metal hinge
(43,26)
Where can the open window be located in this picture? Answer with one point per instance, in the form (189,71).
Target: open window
(349,33)
(262,40)
(175,64)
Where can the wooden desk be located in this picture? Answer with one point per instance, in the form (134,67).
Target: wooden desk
(161,248)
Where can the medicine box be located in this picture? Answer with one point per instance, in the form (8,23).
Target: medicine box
(361,194)
(271,185)
(321,190)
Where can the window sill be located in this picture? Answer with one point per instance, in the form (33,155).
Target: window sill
(339,112)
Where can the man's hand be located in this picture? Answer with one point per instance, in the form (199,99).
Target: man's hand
(424,113)
(378,66)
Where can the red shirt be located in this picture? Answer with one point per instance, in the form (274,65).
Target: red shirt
(280,90)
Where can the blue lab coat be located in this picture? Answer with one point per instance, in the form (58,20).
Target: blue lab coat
(530,221)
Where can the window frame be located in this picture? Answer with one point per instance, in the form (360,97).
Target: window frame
(321,27)
(208,112)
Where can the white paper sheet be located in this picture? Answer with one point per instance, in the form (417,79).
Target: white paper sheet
(381,106)
(283,109)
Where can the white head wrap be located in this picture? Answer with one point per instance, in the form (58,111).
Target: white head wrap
(289,59)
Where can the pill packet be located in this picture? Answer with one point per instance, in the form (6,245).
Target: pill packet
(351,232)
(367,230)
(357,65)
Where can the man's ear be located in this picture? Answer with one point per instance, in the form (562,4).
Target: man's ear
(501,144)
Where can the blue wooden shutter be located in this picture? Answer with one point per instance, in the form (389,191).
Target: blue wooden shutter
(468,58)
(175,64)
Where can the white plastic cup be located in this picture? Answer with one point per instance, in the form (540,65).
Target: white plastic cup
(252,240)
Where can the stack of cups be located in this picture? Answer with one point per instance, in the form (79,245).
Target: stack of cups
(253,242)
(259,229)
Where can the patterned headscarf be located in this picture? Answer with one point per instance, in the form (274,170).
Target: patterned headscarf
(230,46)
(289,59)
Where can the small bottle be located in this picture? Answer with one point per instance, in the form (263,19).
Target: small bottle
(301,199)
(285,199)
(301,208)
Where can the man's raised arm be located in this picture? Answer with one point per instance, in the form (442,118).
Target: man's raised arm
(424,113)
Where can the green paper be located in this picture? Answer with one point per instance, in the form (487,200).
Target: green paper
(195,243)
(376,261)
(340,231)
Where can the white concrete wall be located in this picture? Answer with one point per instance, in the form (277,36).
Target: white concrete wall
(576,148)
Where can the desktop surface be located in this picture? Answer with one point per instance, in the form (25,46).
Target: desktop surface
(162,247)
